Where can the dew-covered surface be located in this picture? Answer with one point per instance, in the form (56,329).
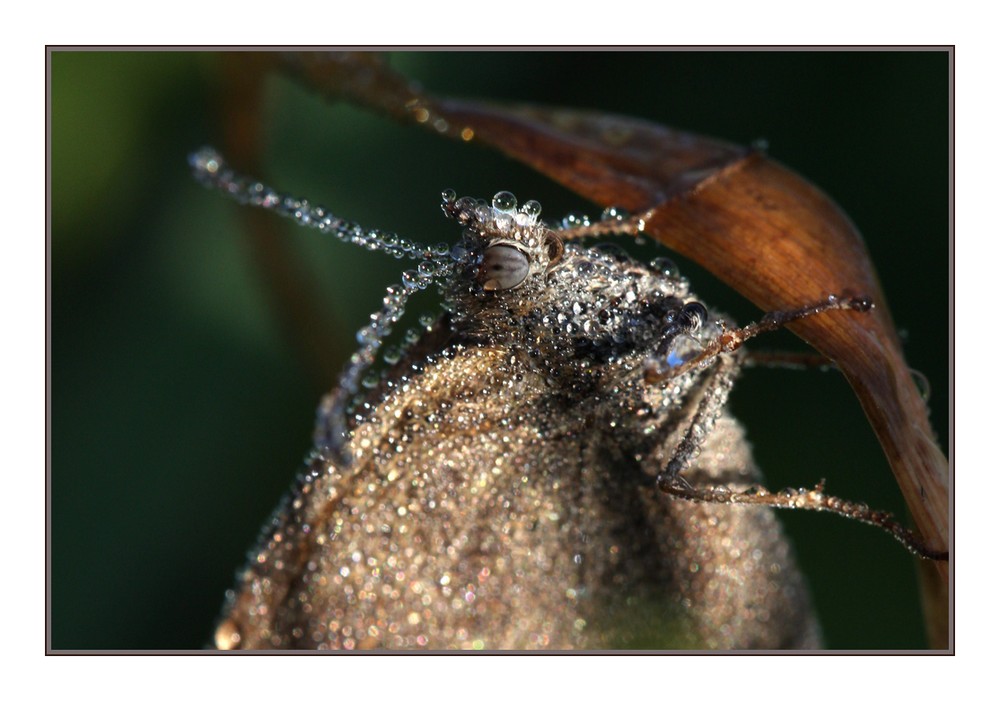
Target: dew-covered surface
(181,411)
(498,492)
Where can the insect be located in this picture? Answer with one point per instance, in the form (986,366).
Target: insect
(501,484)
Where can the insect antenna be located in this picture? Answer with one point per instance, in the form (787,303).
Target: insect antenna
(211,170)
(436,263)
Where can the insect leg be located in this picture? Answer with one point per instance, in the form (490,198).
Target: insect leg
(714,394)
(731,340)
(809,499)
(633,226)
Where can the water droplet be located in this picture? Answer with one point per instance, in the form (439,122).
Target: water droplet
(459,252)
(392,355)
(665,266)
(574,219)
(613,250)
(532,208)
(505,202)
(614,214)
(682,349)
(503,221)
(411,280)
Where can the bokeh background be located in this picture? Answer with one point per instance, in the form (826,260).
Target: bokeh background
(181,409)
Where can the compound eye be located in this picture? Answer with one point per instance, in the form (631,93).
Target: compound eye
(503,267)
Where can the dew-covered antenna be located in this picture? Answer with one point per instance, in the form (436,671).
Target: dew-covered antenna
(211,170)
(436,263)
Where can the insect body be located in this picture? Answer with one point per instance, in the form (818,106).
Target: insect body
(497,487)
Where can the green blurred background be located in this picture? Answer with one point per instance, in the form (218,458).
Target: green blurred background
(181,411)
